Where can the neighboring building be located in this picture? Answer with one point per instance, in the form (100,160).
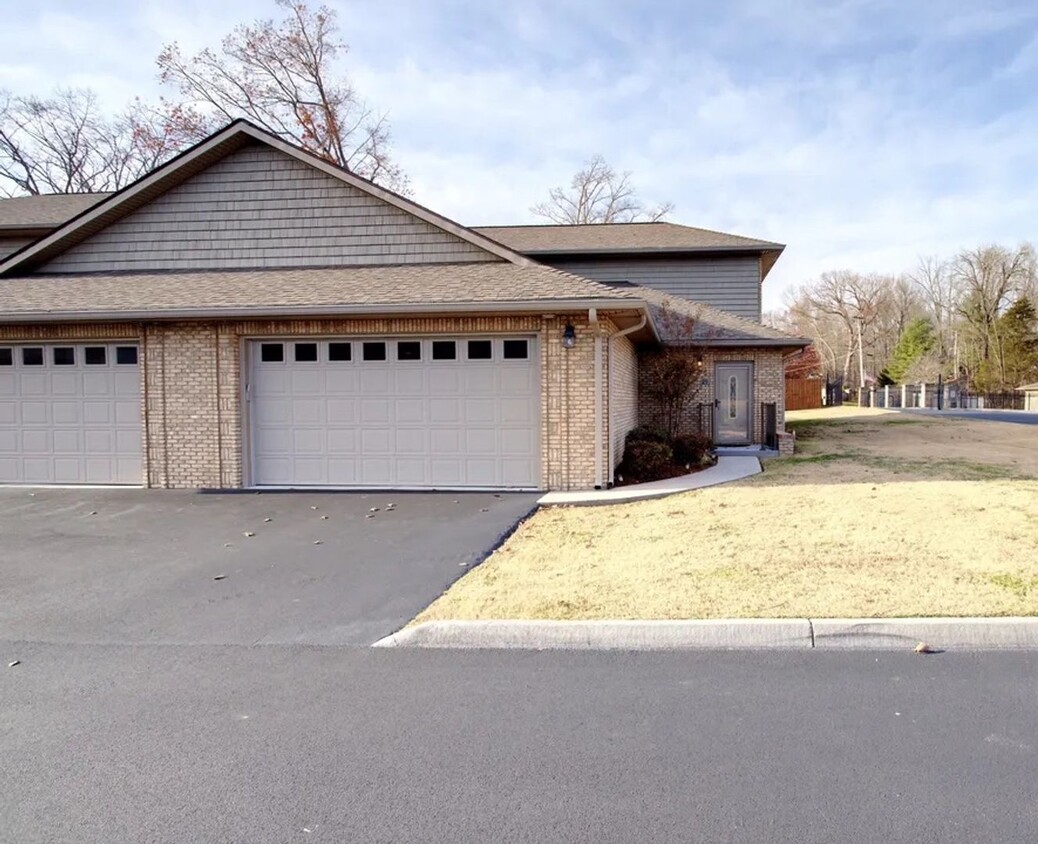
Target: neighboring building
(251,315)
(1030,392)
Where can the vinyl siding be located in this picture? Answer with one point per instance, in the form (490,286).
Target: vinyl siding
(731,284)
(10,245)
(623,395)
(260,207)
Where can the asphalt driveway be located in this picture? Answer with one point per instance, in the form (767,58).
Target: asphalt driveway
(142,566)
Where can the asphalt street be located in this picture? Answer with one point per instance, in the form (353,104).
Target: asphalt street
(107,743)
(1016,416)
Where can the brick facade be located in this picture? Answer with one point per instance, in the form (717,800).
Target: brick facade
(194,427)
(768,386)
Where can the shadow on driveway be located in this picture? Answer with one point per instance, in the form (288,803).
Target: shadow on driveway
(139,566)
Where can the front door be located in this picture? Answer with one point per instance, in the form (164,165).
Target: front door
(732,402)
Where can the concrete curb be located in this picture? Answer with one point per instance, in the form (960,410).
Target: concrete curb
(941,634)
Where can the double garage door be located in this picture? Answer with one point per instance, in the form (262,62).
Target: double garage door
(434,412)
(70,414)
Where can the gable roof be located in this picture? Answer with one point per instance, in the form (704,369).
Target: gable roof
(620,237)
(711,326)
(229,139)
(45,211)
(422,288)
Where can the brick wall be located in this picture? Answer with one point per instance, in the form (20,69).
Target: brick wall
(193,414)
(768,386)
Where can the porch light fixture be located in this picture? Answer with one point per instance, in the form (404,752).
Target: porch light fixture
(569,337)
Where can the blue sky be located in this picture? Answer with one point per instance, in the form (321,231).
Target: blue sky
(861,134)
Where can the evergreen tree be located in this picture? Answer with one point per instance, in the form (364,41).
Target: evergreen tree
(917,340)
(1018,333)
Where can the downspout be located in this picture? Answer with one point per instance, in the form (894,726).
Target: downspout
(592,318)
(638,327)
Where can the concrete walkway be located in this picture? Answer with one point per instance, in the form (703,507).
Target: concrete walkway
(728,469)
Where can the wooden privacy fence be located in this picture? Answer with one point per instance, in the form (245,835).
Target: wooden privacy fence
(803,393)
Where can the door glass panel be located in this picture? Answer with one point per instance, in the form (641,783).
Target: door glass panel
(733,396)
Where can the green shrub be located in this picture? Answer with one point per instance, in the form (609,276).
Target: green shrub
(646,461)
(646,434)
(690,449)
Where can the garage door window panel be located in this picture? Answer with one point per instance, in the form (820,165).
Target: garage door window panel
(409,350)
(480,350)
(374,351)
(6,357)
(32,356)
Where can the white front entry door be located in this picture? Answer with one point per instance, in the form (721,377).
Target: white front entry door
(70,413)
(395,412)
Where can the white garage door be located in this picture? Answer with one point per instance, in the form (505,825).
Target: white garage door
(432,412)
(70,414)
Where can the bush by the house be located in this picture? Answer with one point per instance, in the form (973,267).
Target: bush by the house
(690,449)
(645,460)
(646,434)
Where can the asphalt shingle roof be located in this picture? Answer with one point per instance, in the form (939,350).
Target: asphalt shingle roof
(619,237)
(467,285)
(45,210)
(674,314)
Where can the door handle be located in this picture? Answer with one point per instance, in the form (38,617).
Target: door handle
(717,403)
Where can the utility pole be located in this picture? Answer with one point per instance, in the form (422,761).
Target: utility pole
(861,356)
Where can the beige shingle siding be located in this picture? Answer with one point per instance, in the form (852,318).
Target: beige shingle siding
(260,207)
(729,284)
(623,395)
(10,245)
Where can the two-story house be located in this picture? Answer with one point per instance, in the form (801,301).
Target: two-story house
(249,315)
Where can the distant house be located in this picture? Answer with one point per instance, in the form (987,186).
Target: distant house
(249,315)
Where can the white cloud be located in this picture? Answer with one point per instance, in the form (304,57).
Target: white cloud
(860,133)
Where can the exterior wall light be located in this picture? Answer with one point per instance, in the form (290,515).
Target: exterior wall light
(569,337)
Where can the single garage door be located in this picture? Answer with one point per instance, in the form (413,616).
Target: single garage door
(425,413)
(70,414)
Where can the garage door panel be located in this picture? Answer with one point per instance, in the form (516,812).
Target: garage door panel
(33,384)
(67,413)
(7,383)
(480,440)
(100,384)
(8,443)
(376,471)
(374,380)
(98,442)
(127,382)
(342,471)
(409,378)
(35,413)
(412,441)
(64,383)
(444,441)
(307,441)
(128,443)
(410,471)
(127,413)
(414,423)
(341,441)
(68,441)
(447,472)
(375,410)
(341,411)
(36,440)
(68,471)
(37,470)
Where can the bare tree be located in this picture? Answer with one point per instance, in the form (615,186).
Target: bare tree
(283,75)
(935,283)
(65,144)
(598,194)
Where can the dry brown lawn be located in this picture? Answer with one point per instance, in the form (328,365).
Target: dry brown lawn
(878,514)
